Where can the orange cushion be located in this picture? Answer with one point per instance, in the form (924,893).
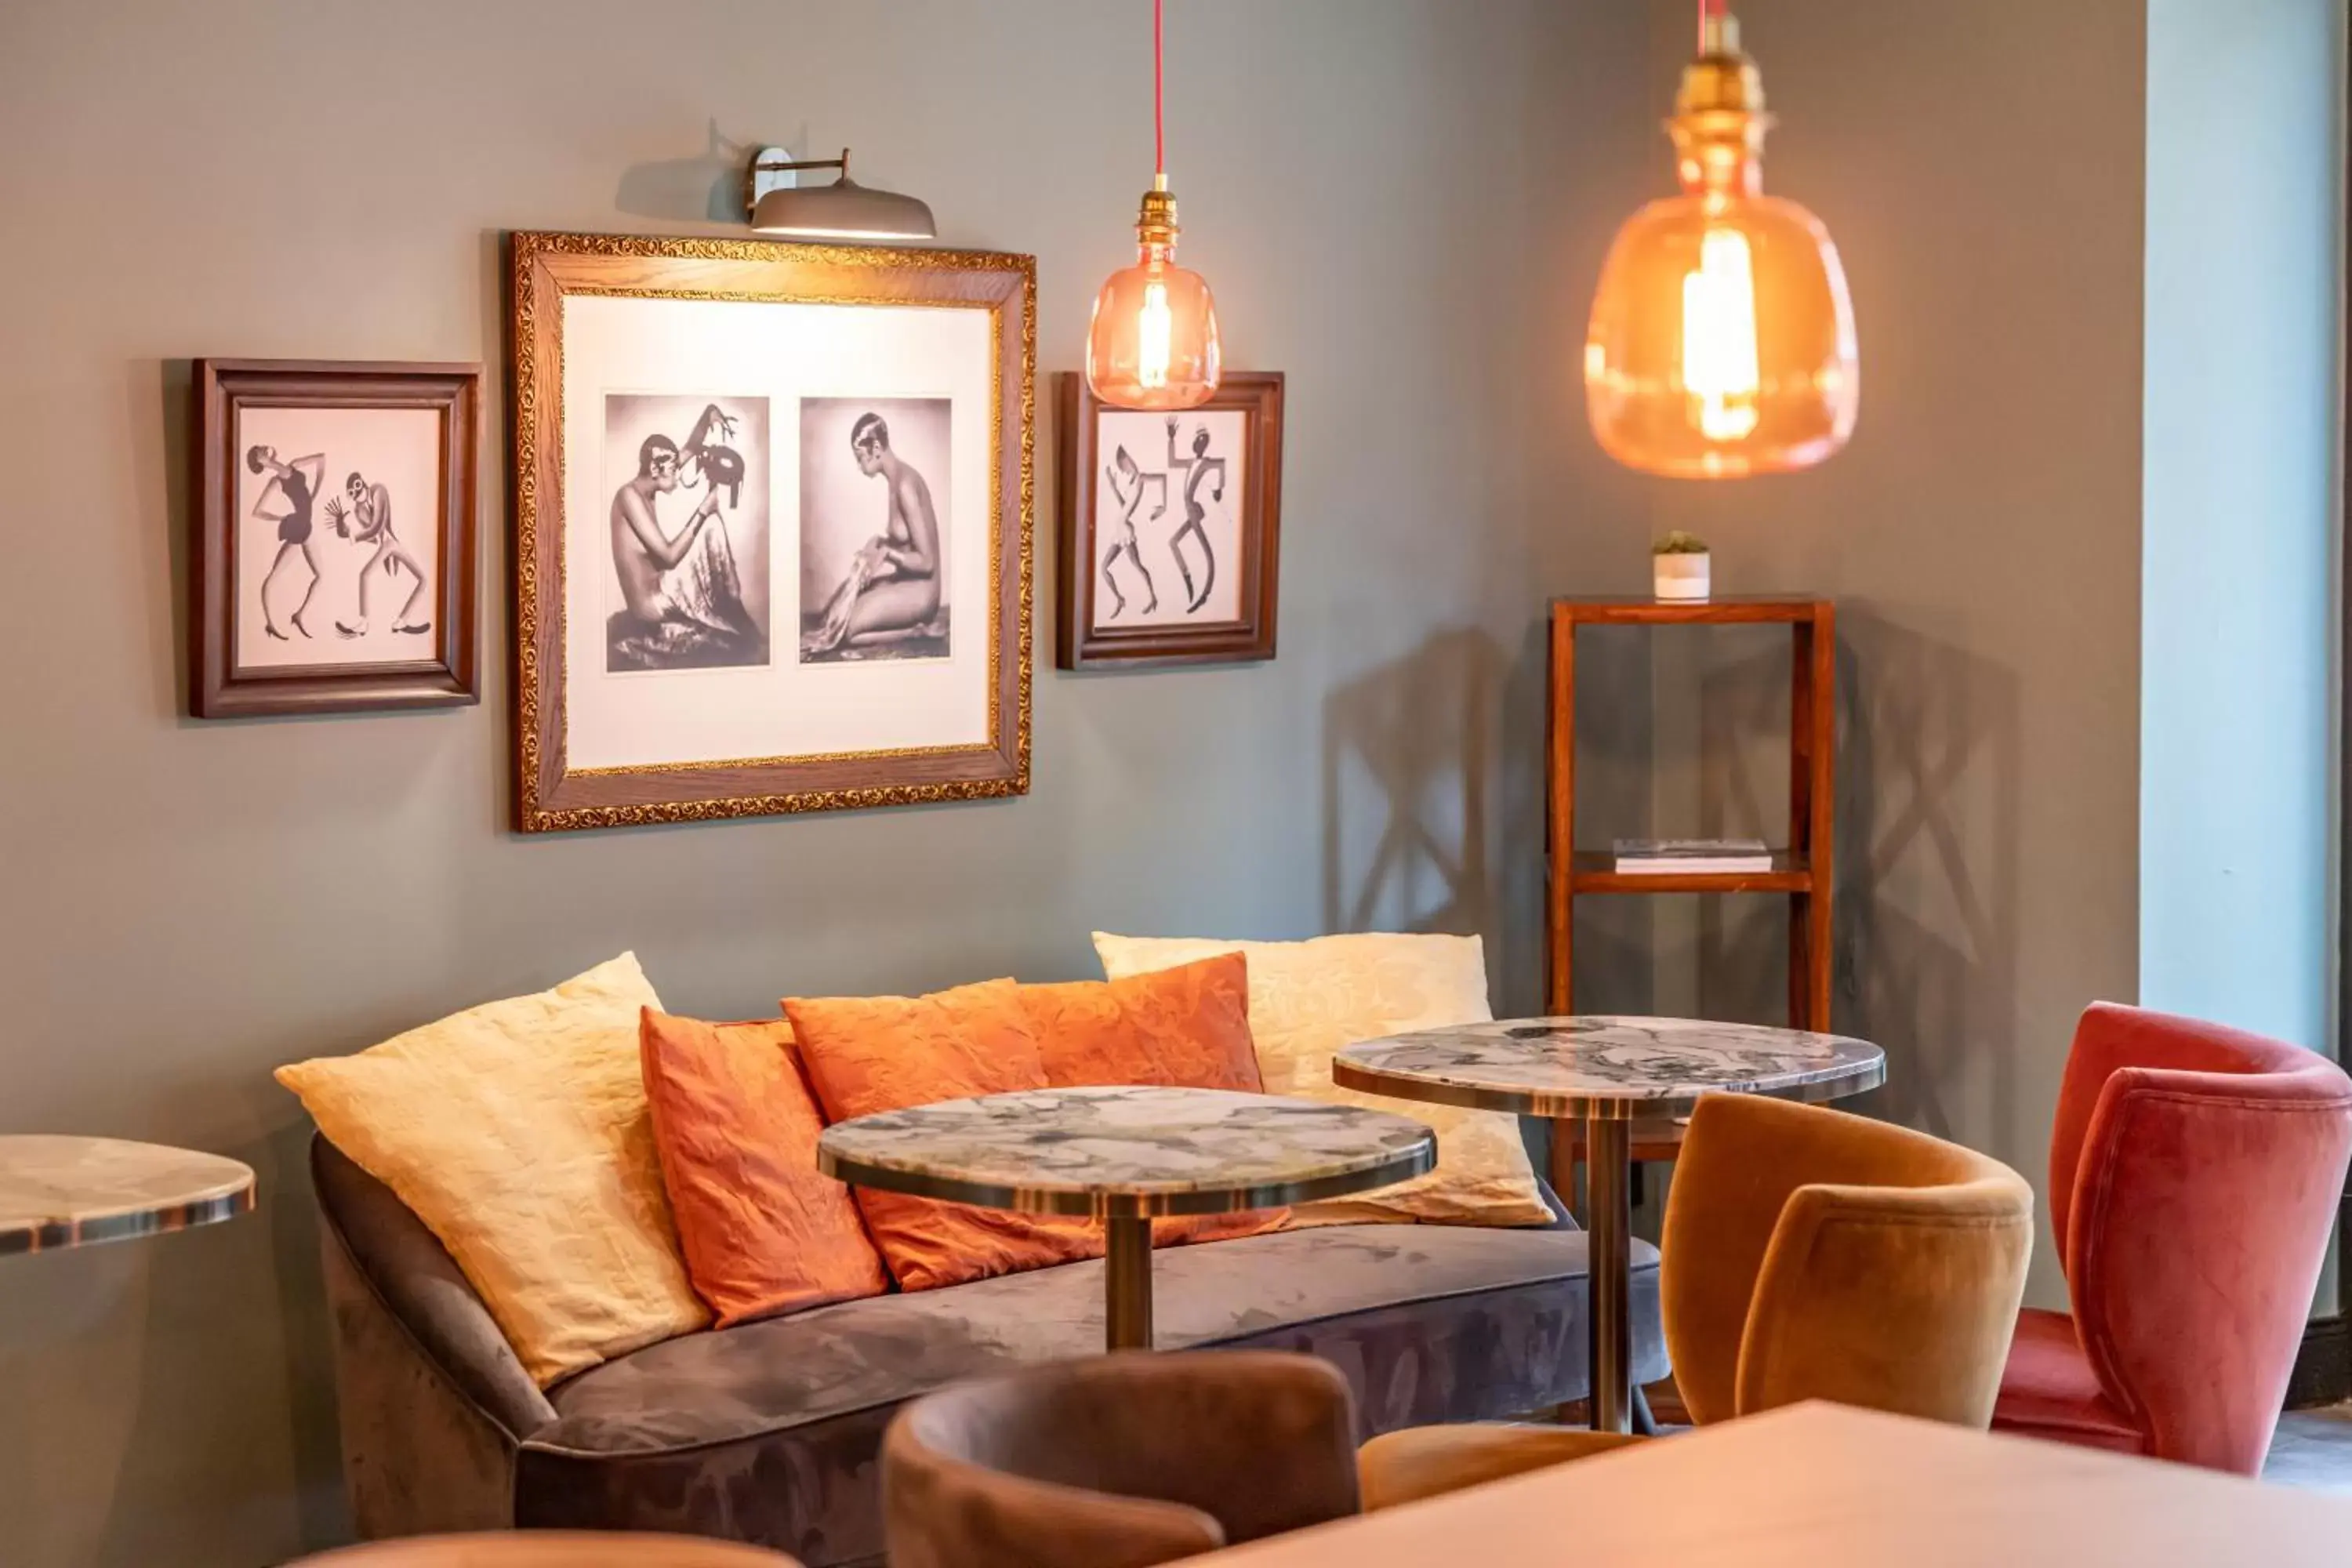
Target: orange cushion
(871,1054)
(1186,1026)
(762,1231)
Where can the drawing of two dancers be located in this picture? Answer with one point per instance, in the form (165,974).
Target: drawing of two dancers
(362,513)
(1127,483)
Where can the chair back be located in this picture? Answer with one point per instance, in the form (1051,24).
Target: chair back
(1117,1461)
(1811,1254)
(2195,1175)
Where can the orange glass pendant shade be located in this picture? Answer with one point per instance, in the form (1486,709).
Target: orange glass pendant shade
(1153,340)
(1722,338)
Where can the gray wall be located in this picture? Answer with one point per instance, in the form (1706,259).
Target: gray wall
(1401,205)
(1979,166)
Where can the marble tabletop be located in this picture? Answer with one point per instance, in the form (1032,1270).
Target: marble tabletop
(58,1192)
(1129,1151)
(1613,1069)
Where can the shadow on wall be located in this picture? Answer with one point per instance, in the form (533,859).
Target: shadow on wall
(707,188)
(1408,839)
(1615,965)
(1406,750)
(1927,924)
(123,1446)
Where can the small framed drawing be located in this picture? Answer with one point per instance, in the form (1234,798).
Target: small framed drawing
(1171,527)
(772,527)
(332,561)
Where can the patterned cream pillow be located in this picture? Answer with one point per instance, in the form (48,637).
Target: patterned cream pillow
(1307,999)
(518,1132)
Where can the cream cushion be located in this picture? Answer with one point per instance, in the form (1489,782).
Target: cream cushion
(1307,999)
(518,1131)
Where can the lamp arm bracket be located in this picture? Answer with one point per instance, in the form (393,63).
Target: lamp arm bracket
(776,169)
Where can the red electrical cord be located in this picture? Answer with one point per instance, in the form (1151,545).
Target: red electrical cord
(1707,8)
(1158,95)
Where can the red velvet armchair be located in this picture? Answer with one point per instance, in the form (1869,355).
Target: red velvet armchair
(2194,1174)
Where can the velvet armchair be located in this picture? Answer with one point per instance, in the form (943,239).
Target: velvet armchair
(2195,1172)
(1809,1254)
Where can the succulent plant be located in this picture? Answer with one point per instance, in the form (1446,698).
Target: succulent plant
(1679,544)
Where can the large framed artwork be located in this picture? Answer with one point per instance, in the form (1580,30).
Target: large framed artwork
(772,527)
(1171,527)
(331,561)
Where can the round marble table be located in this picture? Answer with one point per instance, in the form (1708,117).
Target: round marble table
(1608,1073)
(57,1191)
(1123,1155)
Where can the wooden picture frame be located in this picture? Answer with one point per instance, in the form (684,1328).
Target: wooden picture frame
(642,696)
(389,443)
(1167,517)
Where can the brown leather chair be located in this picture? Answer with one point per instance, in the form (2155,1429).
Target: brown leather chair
(550,1549)
(1117,1461)
(1809,1254)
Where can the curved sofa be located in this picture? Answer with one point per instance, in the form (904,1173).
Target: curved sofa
(771,1432)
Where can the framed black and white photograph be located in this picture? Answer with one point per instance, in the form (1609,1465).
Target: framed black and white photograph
(1170,527)
(332,555)
(772,539)
(687,587)
(875,578)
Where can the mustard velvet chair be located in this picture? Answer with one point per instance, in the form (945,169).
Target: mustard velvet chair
(1809,1254)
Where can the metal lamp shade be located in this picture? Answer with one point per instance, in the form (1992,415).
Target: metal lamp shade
(842,210)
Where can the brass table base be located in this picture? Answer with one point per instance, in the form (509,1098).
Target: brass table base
(1127,1284)
(1609,1269)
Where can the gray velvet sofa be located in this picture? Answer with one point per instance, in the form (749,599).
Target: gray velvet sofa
(770,1432)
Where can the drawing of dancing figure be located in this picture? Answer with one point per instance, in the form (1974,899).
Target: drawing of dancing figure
(296,486)
(683,594)
(1198,467)
(367,520)
(1126,482)
(891,593)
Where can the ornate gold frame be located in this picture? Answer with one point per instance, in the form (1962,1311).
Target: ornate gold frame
(546,267)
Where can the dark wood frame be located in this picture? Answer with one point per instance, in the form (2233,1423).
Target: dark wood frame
(223,387)
(1257,395)
(544,269)
(1802,870)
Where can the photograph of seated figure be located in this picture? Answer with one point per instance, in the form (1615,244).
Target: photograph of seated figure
(873,567)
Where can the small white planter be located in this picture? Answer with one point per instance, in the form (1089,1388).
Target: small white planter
(1683,577)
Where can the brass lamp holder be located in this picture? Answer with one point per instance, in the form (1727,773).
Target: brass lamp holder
(1719,119)
(1156,223)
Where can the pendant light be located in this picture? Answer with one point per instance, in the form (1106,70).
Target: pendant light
(1153,340)
(1722,339)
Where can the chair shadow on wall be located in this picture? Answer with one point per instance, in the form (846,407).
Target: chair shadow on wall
(1406,750)
(1410,814)
(1923,952)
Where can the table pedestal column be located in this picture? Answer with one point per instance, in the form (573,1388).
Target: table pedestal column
(1127,1284)
(1609,1276)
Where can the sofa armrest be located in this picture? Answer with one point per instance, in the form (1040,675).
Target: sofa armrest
(413,1275)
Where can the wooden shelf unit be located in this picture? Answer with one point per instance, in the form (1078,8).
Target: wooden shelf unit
(1802,871)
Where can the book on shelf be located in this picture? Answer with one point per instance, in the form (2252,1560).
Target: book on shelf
(1691,856)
